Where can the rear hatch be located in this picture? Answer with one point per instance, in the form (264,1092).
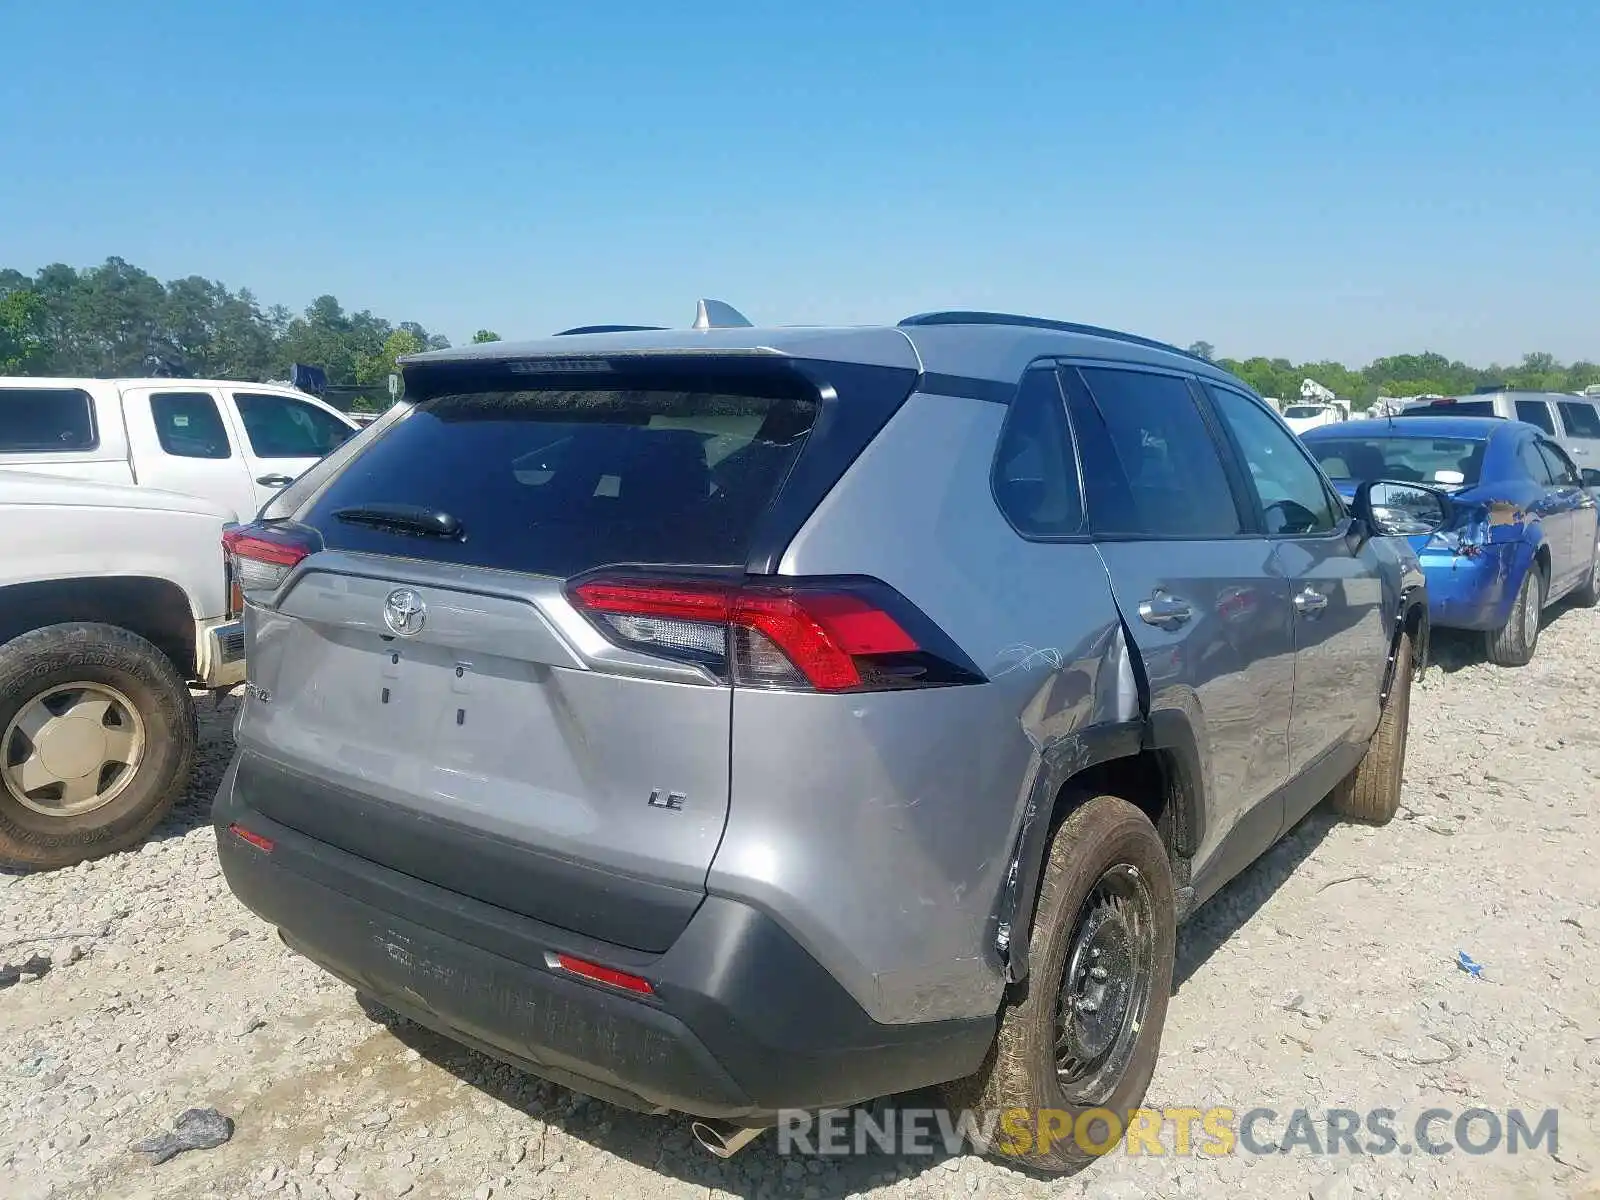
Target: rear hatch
(436,701)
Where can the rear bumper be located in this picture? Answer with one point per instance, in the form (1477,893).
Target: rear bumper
(222,663)
(1472,593)
(742,1022)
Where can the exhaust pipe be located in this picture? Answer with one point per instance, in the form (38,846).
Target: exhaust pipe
(722,1139)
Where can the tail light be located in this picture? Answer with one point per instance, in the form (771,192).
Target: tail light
(846,635)
(260,558)
(1469,531)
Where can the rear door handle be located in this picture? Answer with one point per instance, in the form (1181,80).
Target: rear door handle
(274,480)
(1309,601)
(1164,611)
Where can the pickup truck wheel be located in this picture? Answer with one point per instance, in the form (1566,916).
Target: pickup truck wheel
(1513,644)
(1076,1050)
(1371,793)
(97,739)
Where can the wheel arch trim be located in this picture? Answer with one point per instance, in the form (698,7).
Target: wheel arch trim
(1050,798)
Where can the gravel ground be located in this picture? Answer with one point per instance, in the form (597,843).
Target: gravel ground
(1323,978)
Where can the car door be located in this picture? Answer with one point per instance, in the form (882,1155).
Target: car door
(1544,506)
(1341,636)
(1585,517)
(1197,592)
(283,437)
(1576,509)
(181,442)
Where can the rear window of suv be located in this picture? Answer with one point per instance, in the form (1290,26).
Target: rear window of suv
(1450,408)
(45,420)
(559,481)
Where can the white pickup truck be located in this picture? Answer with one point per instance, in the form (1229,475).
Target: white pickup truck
(113,599)
(234,444)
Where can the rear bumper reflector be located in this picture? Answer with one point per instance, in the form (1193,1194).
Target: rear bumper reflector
(589,970)
(266,845)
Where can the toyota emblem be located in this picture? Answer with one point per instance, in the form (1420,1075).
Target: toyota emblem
(404,612)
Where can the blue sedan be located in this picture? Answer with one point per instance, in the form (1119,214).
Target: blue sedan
(1523,533)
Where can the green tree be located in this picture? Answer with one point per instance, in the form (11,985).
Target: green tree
(1270,376)
(109,319)
(376,368)
(485,335)
(1583,374)
(23,344)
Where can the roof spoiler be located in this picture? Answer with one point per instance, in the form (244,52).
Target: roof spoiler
(577,329)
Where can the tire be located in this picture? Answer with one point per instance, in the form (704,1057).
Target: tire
(1587,594)
(1513,644)
(1104,839)
(1371,793)
(147,705)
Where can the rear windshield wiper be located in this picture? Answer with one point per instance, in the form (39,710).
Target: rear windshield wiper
(410,519)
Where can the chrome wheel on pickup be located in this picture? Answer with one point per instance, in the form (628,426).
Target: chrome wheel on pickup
(72,749)
(97,739)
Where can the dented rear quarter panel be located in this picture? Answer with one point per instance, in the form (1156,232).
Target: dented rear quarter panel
(879,828)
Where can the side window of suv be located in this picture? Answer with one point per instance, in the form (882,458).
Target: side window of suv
(1151,467)
(1580,418)
(1536,412)
(1035,470)
(1294,498)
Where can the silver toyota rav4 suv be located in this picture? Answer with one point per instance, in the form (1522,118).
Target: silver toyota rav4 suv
(730,720)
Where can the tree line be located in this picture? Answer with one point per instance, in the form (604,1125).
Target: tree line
(118,320)
(1405,375)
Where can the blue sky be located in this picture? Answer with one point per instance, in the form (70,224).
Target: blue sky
(1343,180)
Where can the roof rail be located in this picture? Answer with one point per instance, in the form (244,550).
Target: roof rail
(714,314)
(991,318)
(609,329)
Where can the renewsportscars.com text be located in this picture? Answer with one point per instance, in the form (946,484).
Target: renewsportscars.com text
(1180,1132)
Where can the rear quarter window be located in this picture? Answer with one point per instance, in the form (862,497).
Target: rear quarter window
(1035,470)
(46,420)
(560,481)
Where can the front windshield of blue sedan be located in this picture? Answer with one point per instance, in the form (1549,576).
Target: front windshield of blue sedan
(1448,462)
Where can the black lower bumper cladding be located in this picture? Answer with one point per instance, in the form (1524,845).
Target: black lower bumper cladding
(740,1023)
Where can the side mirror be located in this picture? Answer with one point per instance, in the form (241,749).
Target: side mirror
(1393,509)
(1590,477)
